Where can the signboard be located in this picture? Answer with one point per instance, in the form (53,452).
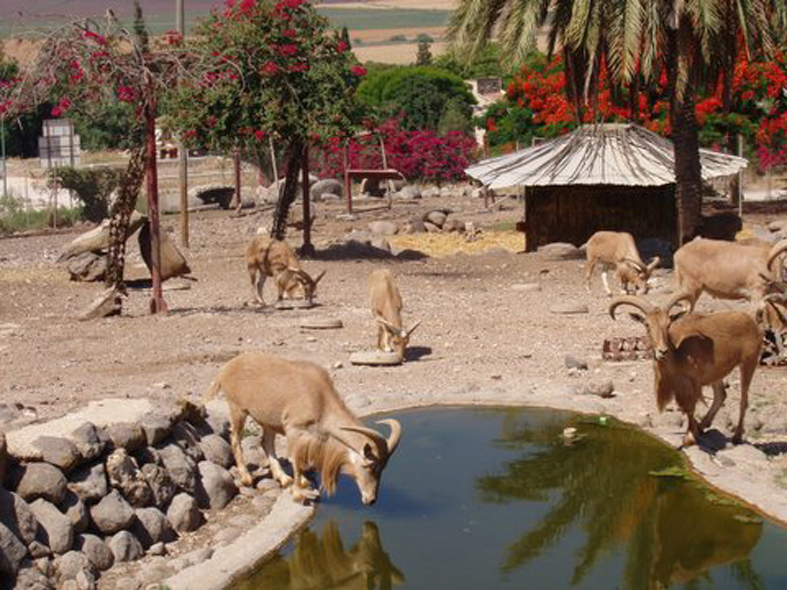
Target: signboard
(59,145)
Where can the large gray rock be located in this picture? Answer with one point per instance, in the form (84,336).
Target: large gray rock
(216,488)
(125,547)
(383,228)
(15,514)
(183,513)
(410,191)
(96,551)
(217,419)
(180,467)
(126,435)
(560,251)
(151,526)
(186,437)
(76,511)
(112,513)
(12,552)
(156,428)
(436,217)
(42,480)
(217,450)
(71,565)
(326,186)
(56,530)
(125,476)
(89,483)
(88,267)
(90,440)
(161,484)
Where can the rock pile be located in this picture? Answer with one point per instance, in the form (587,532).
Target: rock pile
(72,506)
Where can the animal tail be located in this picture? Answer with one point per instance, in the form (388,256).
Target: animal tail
(214,389)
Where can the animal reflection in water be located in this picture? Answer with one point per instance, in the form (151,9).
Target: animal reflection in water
(671,530)
(322,563)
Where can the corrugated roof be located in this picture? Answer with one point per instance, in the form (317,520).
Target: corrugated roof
(619,154)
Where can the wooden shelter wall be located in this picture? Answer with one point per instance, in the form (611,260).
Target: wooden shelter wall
(573,213)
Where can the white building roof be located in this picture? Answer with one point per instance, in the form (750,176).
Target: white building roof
(617,154)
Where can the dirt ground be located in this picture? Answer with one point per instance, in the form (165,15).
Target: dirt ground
(482,334)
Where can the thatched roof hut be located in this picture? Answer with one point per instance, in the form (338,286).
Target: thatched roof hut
(611,176)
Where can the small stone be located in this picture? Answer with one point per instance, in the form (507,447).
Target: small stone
(383,228)
(38,550)
(602,388)
(526,287)
(161,484)
(436,218)
(180,467)
(157,549)
(568,308)
(125,547)
(126,435)
(89,483)
(42,480)
(217,419)
(183,513)
(56,529)
(151,526)
(112,513)
(90,441)
(215,489)
(217,450)
(96,551)
(69,565)
(572,362)
(31,578)
(155,427)
(76,511)
(186,437)
(15,514)
(12,552)
(125,476)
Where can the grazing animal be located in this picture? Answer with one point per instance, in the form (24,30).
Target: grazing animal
(618,250)
(729,270)
(386,303)
(266,257)
(298,400)
(695,351)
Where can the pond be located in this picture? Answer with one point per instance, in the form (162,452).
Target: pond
(494,498)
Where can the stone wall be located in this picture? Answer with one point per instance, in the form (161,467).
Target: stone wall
(79,498)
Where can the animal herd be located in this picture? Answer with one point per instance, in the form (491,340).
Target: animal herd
(299,401)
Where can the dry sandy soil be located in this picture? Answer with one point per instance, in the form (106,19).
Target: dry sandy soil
(483,338)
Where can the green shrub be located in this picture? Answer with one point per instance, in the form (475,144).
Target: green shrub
(93,187)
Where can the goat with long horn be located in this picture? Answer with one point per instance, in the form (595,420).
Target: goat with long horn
(298,400)
(619,251)
(693,350)
(386,304)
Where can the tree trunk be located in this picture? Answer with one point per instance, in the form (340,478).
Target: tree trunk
(688,177)
(157,303)
(307,249)
(287,195)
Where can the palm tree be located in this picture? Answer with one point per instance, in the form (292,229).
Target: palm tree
(693,42)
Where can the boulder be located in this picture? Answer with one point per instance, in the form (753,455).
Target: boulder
(216,488)
(41,480)
(125,476)
(151,526)
(217,419)
(217,450)
(112,513)
(125,547)
(15,514)
(383,228)
(436,218)
(70,565)
(186,437)
(87,267)
(89,483)
(430,192)
(160,482)
(155,427)
(76,512)
(56,530)
(454,225)
(431,227)
(97,239)
(560,251)
(12,552)
(410,192)
(183,513)
(180,467)
(416,226)
(126,435)
(90,441)
(572,362)
(96,551)
(381,244)
(58,451)
(31,578)
(326,186)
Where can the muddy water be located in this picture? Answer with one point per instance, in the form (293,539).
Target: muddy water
(495,498)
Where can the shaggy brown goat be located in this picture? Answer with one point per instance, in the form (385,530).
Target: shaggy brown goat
(695,351)
(297,399)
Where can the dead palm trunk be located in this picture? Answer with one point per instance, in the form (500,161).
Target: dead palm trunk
(288,193)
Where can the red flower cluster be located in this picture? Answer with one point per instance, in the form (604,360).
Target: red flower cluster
(287,50)
(61,107)
(126,94)
(358,70)
(269,68)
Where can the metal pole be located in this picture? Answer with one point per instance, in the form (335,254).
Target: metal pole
(307,250)
(348,190)
(2,149)
(273,161)
(180,21)
(238,201)
(183,157)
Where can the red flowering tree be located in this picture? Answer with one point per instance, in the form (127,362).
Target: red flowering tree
(280,70)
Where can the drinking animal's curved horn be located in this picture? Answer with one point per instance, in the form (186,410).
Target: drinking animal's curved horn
(409,332)
(677,298)
(378,439)
(318,277)
(388,325)
(635,263)
(395,436)
(641,304)
(653,264)
(778,249)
